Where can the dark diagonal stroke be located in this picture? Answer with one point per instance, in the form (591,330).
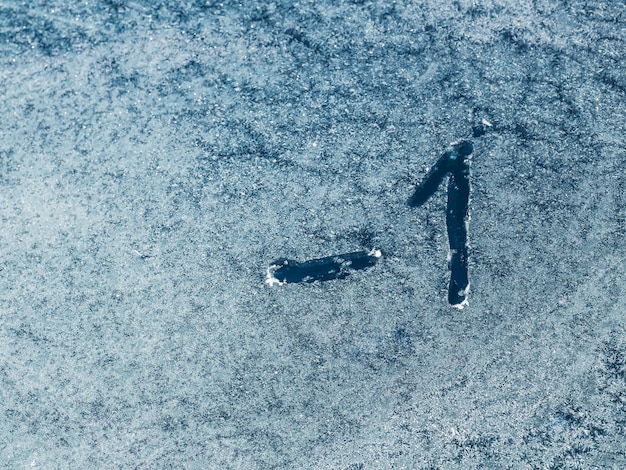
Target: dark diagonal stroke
(453,163)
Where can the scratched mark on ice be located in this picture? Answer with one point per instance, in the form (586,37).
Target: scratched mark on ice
(453,163)
(284,271)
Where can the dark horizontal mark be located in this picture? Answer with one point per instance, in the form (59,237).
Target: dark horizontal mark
(453,163)
(285,271)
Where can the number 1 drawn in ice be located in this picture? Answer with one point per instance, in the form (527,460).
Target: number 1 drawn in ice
(453,163)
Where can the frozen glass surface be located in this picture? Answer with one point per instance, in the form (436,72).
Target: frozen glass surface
(157,156)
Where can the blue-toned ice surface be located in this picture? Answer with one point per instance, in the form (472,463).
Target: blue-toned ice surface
(156,157)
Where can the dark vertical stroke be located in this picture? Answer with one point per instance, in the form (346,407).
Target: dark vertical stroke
(454,163)
(456,223)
